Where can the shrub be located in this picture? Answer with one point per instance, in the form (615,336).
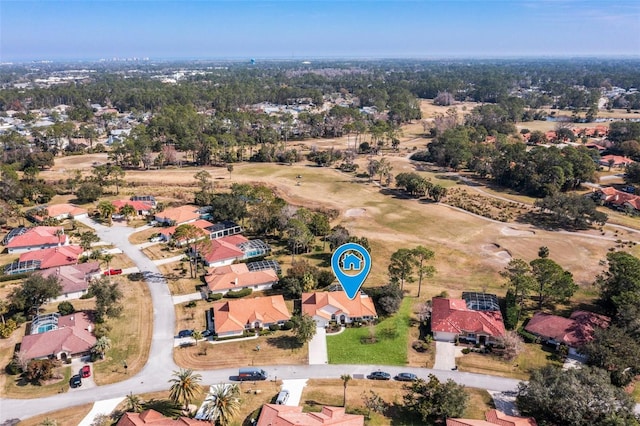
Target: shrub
(466,351)
(238,294)
(13,277)
(13,368)
(101,330)
(212,297)
(288,325)
(264,332)
(191,304)
(274,327)
(420,346)
(66,308)
(7,328)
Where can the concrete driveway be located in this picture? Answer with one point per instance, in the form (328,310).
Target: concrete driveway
(318,348)
(295,388)
(445,356)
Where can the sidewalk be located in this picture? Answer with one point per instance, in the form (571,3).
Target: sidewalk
(100,407)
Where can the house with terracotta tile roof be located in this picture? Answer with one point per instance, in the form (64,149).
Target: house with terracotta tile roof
(233,317)
(62,337)
(494,417)
(575,331)
(328,306)
(609,196)
(54,256)
(202,225)
(152,417)
(451,319)
(284,415)
(237,277)
(226,250)
(178,215)
(57,211)
(37,238)
(616,161)
(74,279)
(142,208)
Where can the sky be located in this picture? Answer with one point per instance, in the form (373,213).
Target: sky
(308,29)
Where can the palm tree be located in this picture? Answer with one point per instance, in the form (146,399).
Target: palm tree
(106,209)
(197,335)
(59,233)
(49,422)
(223,405)
(345,379)
(134,403)
(4,308)
(185,386)
(107,258)
(127,211)
(102,345)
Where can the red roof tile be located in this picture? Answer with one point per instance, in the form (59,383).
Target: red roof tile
(283,415)
(140,206)
(179,215)
(152,417)
(324,304)
(453,316)
(72,336)
(38,236)
(233,315)
(225,248)
(236,277)
(574,331)
(54,256)
(73,278)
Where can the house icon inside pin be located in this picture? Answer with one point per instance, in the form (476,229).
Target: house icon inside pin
(351,262)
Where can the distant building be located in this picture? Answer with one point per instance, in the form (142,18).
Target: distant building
(178,215)
(37,238)
(238,277)
(494,417)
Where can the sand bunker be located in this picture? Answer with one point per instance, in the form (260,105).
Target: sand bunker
(494,250)
(507,230)
(355,212)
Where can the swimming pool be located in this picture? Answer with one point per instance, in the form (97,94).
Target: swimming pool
(46,327)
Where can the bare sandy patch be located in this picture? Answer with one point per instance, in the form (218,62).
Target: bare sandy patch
(355,212)
(514,232)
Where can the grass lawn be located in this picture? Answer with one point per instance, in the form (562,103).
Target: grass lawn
(534,356)
(66,416)
(277,348)
(130,335)
(143,236)
(479,403)
(178,278)
(14,388)
(390,349)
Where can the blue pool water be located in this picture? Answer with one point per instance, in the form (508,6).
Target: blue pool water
(45,327)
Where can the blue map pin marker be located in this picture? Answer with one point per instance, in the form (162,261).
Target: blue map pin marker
(351,264)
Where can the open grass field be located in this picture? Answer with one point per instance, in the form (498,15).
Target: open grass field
(534,356)
(390,347)
(67,416)
(279,348)
(130,335)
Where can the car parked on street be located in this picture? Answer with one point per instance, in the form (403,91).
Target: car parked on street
(406,377)
(379,375)
(185,333)
(85,371)
(75,381)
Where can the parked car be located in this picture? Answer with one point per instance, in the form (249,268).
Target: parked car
(113,272)
(75,381)
(85,371)
(406,377)
(283,396)
(379,375)
(207,333)
(185,333)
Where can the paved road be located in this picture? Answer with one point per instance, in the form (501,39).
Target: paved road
(157,380)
